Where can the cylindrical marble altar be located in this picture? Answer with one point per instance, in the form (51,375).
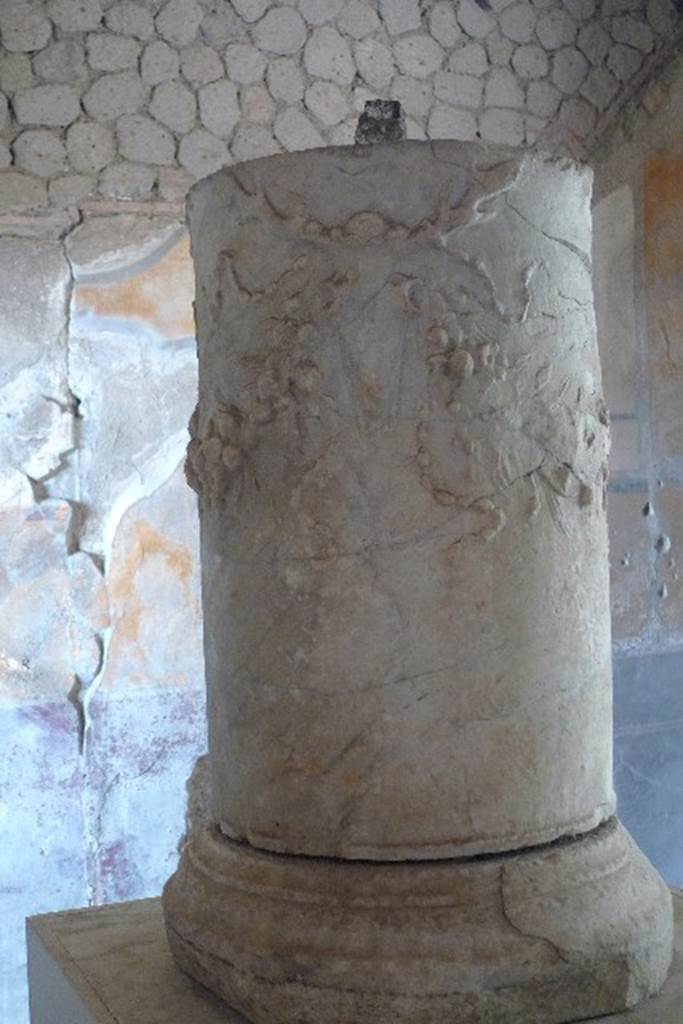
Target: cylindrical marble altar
(400,453)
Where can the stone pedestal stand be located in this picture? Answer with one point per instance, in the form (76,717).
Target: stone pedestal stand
(400,450)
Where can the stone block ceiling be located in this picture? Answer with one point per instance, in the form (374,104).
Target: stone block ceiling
(138,99)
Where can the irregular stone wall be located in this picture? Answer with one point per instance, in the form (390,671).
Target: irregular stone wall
(138,99)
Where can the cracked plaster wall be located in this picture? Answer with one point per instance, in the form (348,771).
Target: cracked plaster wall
(101,691)
(101,680)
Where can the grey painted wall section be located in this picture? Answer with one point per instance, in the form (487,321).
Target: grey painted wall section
(648,756)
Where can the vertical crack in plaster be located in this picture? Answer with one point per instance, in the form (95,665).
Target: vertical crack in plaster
(79,694)
(64,483)
(84,688)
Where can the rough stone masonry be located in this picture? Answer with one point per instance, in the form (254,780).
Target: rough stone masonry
(137,100)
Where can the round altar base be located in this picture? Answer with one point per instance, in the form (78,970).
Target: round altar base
(565,932)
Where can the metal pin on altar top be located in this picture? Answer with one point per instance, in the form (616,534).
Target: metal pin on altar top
(381,121)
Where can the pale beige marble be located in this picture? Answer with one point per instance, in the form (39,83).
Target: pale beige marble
(400,447)
(554,934)
(400,453)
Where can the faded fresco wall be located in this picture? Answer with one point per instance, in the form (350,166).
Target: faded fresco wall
(638,259)
(101,706)
(108,111)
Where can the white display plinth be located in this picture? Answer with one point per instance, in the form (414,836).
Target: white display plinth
(112,965)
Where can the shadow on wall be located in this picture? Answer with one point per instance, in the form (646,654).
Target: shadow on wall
(648,756)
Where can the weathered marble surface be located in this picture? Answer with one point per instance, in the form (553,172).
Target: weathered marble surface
(113,966)
(553,934)
(400,449)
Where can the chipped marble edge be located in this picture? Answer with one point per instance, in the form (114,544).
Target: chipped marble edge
(488,151)
(47,929)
